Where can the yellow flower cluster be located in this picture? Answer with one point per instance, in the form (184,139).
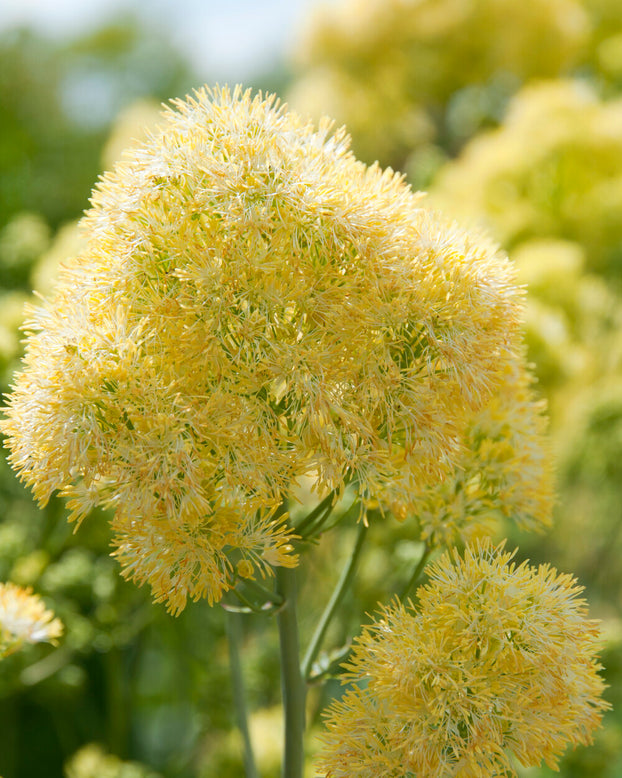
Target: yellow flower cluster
(505,470)
(497,663)
(24,619)
(252,305)
(386,67)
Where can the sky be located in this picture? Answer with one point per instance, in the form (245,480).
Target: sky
(228,39)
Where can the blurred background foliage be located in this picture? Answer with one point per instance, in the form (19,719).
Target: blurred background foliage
(509,112)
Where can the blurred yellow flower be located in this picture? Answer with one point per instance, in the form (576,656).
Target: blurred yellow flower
(498,662)
(552,170)
(91,761)
(24,619)
(388,68)
(252,305)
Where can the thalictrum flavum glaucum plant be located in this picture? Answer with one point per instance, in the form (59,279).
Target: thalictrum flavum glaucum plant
(253,307)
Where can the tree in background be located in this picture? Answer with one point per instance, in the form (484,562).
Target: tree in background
(58,102)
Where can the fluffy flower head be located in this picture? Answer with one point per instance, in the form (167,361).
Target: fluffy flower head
(252,304)
(498,661)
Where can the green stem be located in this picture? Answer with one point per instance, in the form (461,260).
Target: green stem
(321,511)
(292,683)
(325,525)
(417,571)
(266,601)
(234,634)
(117,703)
(345,579)
(249,607)
(263,592)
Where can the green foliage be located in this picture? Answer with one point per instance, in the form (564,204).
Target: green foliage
(58,100)
(42,151)
(92,762)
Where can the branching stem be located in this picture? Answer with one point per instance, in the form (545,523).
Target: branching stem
(345,579)
(318,515)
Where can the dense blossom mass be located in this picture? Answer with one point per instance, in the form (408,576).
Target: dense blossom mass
(252,305)
(498,662)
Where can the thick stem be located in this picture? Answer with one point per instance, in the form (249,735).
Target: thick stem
(331,608)
(234,634)
(292,683)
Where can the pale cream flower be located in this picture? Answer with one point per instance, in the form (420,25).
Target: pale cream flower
(24,619)
(552,170)
(389,69)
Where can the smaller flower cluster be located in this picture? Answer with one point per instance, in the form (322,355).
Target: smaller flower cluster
(24,619)
(497,663)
